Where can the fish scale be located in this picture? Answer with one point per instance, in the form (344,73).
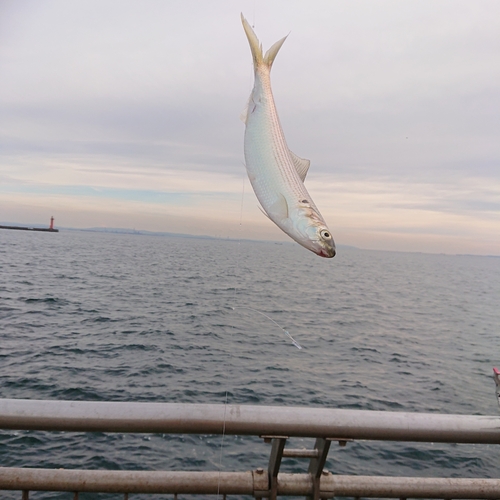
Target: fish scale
(262,152)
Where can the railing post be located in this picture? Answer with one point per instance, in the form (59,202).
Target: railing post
(317,464)
(278,444)
(26,495)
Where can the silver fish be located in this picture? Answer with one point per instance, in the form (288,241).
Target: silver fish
(277,175)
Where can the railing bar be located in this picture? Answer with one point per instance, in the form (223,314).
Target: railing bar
(243,484)
(290,453)
(92,416)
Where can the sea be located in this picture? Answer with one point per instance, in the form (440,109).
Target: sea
(96,316)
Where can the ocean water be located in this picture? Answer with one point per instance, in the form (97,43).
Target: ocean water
(120,317)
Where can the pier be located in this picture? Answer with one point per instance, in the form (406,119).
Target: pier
(274,425)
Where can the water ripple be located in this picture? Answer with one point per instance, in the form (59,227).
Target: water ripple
(127,318)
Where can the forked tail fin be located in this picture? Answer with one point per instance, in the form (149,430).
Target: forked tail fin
(256,47)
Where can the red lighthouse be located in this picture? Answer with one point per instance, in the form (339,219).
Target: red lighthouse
(51,223)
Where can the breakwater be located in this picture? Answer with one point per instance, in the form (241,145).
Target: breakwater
(22,228)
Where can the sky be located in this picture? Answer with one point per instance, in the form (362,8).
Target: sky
(126,114)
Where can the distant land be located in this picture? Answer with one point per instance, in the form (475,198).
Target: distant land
(120,230)
(143,232)
(116,230)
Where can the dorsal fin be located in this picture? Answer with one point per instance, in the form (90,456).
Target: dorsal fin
(301,165)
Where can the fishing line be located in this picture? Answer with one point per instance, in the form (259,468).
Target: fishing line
(294,342)
(222,444)
(287,333)
(237,274)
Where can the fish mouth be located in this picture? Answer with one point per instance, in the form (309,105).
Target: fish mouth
(328,253)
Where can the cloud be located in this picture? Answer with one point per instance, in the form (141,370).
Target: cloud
(133,109)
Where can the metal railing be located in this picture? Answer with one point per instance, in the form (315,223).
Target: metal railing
(274,424)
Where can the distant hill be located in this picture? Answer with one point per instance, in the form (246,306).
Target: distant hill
(121,230)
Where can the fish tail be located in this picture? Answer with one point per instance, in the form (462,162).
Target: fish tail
(256,47)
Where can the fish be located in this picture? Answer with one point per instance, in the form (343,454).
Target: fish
(277,175)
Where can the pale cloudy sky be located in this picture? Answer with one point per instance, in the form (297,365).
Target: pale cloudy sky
(126,114)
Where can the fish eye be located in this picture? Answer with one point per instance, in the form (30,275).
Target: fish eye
(325,234)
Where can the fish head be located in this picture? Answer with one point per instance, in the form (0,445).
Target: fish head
(312,233)
(322,243)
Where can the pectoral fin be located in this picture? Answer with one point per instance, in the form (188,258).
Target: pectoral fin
(279,209)
(301,165)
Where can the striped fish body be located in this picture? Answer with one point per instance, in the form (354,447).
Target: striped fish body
(277,174)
